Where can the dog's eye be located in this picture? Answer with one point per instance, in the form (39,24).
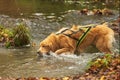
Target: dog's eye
(44,46)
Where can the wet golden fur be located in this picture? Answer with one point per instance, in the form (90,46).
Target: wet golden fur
(101,36)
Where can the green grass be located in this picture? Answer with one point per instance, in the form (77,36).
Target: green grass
(102,62)
(16,37)
(21,36)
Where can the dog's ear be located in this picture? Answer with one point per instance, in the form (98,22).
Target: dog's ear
(52,42)
(53,47)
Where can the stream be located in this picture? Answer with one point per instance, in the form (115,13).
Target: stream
(42,18)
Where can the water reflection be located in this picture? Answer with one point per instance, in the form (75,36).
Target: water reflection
(25,8)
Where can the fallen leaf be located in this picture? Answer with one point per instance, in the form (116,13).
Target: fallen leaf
(102,78)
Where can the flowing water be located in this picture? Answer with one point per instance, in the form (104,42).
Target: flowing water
(42,18)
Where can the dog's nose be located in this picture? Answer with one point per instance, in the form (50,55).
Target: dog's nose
(38,52)
(40,55)
(48,53)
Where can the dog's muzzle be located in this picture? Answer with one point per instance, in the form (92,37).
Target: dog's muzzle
(39,53)
(42,54)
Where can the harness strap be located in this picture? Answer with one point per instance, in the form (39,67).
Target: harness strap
(82,37)
(69,35)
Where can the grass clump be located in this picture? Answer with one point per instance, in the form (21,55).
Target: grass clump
(21,36)
(18,36)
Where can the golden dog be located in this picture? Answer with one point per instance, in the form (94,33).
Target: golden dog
(101,36)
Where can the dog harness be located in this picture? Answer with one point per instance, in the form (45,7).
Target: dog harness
(82,37)
(69,35)
(85,30)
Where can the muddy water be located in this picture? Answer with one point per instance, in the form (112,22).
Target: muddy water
(42,18)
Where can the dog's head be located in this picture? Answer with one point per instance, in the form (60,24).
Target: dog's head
(47,45)
(44,49)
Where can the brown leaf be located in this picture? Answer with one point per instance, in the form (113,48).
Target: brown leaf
(102,78)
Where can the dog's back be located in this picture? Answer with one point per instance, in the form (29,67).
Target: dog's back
(101,36)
